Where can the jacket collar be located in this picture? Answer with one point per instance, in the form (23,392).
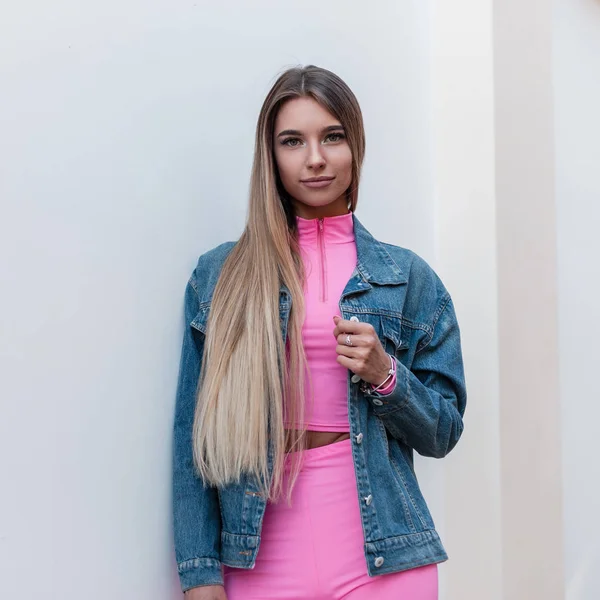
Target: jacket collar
(374,262)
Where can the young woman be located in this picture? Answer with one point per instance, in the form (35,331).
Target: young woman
(315,360)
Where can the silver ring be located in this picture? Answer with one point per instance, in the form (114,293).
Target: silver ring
(348,341)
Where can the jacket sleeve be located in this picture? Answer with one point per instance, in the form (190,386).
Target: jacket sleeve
(196,513)
(426,407)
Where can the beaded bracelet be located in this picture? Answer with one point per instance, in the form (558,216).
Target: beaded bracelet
(390,374)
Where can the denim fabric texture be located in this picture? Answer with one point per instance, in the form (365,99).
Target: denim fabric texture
(398,293)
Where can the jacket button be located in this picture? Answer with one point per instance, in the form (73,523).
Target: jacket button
(377,402)
(359,438)
(355,378)
(379,561)
(354,318)
(368,499)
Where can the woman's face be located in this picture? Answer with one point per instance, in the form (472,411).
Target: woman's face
(310,142)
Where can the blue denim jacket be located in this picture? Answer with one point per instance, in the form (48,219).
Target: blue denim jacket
(401,296)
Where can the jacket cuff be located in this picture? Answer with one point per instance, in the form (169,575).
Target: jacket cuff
(199,571)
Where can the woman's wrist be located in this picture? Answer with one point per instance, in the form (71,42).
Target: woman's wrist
(388,383)
(388,387)
(206,592)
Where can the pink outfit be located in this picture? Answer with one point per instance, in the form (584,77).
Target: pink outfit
(314,550)
(329,254)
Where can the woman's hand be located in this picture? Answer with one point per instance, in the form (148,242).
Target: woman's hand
(206,592)
(366,357)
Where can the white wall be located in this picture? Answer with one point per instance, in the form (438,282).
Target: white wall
(127,132)
(465,225)
(577,123)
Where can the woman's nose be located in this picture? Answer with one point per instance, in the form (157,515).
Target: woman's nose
(315,160)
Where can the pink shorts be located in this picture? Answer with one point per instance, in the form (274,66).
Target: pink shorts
(313,550)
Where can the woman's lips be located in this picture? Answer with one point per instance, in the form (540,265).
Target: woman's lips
(318,184)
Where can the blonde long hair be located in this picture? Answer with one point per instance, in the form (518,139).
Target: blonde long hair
(246,376)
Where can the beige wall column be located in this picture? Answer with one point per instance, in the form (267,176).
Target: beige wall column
(496,249)
(532,526)
(465,216)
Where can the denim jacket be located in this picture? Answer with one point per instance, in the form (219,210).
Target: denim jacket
(401,296)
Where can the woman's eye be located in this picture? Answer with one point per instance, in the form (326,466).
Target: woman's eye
(288,142)
(295,142)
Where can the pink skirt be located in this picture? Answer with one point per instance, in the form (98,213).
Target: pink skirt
(313,550)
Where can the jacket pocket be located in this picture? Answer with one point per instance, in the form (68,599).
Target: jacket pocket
(394,335)
(399,480)
(411,485)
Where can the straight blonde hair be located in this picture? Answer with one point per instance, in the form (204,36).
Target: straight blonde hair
(246,374)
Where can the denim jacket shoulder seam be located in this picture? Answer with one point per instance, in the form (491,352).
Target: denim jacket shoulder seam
(436,317)
(442,307)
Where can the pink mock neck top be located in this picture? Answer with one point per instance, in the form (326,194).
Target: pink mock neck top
(328,252)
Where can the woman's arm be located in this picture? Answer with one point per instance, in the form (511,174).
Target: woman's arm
(196,514)
(425,408)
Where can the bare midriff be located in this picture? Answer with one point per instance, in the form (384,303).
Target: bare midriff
(322,438)
(316,439)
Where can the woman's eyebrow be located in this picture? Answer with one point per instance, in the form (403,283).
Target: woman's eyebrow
(296,132)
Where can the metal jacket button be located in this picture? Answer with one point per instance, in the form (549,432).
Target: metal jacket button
(359,438)
(379,561)
(354,318)
(368,499)
(377,402)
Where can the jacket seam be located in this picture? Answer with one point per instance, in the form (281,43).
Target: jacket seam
(395,315)
(404,491)
(407,535)
(192,282)
(194,563)
(438,313)
(412,500)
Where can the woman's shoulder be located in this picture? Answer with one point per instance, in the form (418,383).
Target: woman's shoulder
(426,294)
(215,256)
(208,267)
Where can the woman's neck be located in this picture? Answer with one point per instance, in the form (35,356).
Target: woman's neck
(333,209)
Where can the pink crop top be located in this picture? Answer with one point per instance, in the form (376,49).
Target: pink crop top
(328,251)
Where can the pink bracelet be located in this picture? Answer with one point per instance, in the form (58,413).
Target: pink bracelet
(391,373)
(389,388)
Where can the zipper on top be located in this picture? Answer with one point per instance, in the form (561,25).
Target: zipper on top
(321,240)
